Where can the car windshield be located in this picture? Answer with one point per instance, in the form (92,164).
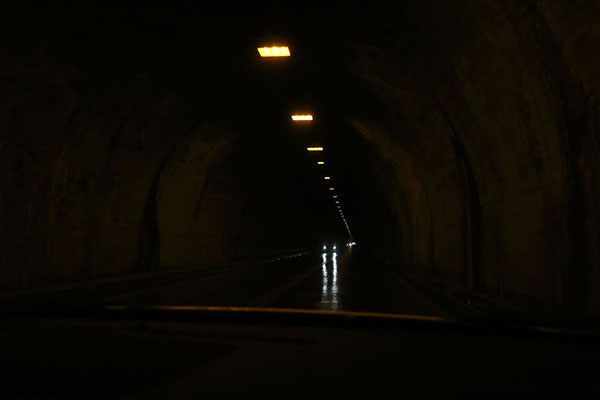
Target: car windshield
(394,158)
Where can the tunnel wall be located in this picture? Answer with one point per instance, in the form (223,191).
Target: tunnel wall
(105,174)
(492,140)
(486,153)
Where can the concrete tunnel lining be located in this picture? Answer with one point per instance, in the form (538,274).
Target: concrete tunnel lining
(466,139)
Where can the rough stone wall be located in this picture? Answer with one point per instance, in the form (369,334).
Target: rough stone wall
(493,137)
(120,151)
(113,175)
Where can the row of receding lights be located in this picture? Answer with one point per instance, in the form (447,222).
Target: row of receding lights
(284,51)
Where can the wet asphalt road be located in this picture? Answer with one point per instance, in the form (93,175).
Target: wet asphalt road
(345,280)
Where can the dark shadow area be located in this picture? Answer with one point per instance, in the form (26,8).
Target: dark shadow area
(149,157)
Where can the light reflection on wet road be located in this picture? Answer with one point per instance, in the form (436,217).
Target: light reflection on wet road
(329,289)
(342,280)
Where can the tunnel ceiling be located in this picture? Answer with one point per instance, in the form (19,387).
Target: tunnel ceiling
(462,138)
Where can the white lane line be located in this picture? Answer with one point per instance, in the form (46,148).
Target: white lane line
(272,295)
(204,274)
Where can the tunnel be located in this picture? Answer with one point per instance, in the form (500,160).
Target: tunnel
(461,139)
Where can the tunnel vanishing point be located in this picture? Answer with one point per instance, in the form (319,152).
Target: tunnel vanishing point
(463,138)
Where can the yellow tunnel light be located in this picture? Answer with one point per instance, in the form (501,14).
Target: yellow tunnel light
(274,51)
(337,202)
(327,178)
(331,189)
(297,117)
(335,196)
(321,162)
(314,148)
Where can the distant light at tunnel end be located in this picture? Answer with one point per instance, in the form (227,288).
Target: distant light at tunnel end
(306,117)
(274,51)
(314,148)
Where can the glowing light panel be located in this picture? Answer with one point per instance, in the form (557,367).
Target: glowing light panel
(274,51)
(321,162)
(327,178)
(314,148)
(307,117)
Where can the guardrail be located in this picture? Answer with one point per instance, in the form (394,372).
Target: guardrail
(98,290)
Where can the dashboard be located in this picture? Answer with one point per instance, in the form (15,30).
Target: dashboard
(211,352)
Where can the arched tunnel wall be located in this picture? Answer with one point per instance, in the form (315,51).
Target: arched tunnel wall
(134,194)
(488,155)
(121,152)
(107,172)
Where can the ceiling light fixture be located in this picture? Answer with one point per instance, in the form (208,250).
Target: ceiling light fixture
(307,117)
(274,51)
